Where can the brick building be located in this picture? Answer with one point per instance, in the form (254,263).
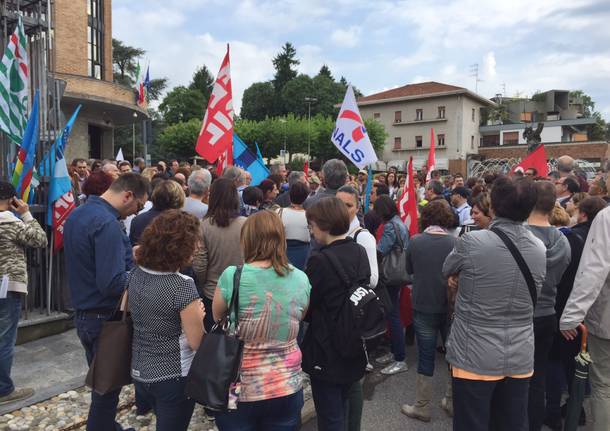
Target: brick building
(409,112)
(82,57)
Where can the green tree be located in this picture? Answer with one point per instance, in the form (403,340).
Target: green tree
(599,130)
(325,71)
(202,81)
(285,66)
(124,59)
(294,93)
(182,104)
(178,140)
(258,101)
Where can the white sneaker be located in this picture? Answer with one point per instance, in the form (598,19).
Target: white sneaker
(385,359)
(395,368)
(369,367)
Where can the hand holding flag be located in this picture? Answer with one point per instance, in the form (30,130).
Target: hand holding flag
(407,206)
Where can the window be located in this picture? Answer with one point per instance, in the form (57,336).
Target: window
(510,138)
(398,116)
(376,115)
(419,114)
(418,141)
(474,113)
(441,140)
(95,38)
(472,142)
(441,112)
(397,143)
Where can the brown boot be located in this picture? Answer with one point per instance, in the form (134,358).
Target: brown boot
(423,392)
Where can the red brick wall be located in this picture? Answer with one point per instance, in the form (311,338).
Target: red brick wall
(598,151)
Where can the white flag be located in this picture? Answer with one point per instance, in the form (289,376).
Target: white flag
(119,156)
(350,136)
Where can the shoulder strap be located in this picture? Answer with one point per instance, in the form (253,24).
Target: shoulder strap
(358,233)
(398,233)
(336,264)
(527,274)
(234,304)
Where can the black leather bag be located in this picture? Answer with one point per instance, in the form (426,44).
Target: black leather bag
(110,369)
(217,362)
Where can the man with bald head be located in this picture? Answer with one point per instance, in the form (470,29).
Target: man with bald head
(112,170)
(565,166)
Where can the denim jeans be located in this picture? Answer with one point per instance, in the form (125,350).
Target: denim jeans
(355,398)
(331,401)
(544,334)
(498,405)
(427,326)
(10,310)
(275,414)
(172,408)
(103,407)
(397,331)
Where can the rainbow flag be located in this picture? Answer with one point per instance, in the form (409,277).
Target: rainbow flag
(22,175)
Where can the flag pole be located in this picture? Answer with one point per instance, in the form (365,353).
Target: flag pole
(369,187)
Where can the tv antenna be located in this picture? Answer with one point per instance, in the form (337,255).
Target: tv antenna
(474,72)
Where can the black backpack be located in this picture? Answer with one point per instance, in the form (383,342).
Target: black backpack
(361,317)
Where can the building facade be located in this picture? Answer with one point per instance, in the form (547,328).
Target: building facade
(82,58)
(409,113)
(566,130)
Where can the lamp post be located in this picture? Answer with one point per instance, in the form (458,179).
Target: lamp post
(133,137)
(284,121)
(309,101)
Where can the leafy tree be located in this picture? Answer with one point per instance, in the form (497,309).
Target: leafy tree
(182,104)
(599,130)
(157,86)
(325,71)
(124,58)
(329,93)
(294,93)
(178,140)
(203,81)
(284,64)
(258,101)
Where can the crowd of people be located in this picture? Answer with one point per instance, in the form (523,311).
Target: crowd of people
(504,270)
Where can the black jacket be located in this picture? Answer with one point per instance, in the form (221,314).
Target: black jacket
(328,294)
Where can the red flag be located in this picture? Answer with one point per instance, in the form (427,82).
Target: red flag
(306,168)
(537,160)
(216,135)
(431,157)
(407,207)
(62,208)
(225,159)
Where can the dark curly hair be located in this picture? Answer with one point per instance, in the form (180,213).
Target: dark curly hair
(169,242)
(437,213)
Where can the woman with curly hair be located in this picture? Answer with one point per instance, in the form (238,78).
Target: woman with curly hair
(273,299)
(167,317)
(426,254)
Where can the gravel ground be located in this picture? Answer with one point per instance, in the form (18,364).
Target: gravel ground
(68,412)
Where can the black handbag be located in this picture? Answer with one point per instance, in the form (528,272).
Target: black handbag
(110,369)
(215,367)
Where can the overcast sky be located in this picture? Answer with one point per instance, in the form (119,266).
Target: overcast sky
(522,45)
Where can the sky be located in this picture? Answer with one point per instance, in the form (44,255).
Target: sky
(520,46)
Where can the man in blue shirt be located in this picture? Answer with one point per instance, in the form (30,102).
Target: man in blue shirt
(98,255)
(459,200)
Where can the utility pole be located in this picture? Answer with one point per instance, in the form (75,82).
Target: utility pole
(474,72)
(309,101)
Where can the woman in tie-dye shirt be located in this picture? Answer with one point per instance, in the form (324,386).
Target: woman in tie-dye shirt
(273,299)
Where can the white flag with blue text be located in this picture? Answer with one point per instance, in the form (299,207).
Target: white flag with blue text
(350,135)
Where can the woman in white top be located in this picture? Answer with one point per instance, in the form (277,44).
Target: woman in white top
(349,196)
(295,225)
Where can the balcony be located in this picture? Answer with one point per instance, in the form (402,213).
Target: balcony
(423,121)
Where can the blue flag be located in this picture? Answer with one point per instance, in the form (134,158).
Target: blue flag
(259,155)
(22,175)
(54,164)
(245,159)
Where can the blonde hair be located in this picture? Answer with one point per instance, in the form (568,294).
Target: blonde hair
(168,194)
(263,238)
(149,172)
(559,217)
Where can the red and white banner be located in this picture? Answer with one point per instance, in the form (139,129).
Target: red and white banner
(431,157)
(407,206)
(61,210)
(216,135)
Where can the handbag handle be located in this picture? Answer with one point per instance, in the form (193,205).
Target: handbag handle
(234,303)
